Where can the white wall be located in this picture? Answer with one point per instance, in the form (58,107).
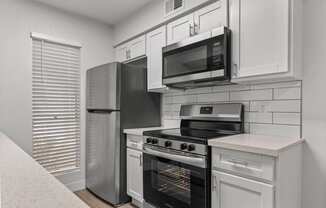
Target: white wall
(314,103)
(18,18)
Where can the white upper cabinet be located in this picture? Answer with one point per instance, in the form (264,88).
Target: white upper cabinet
(155,41)
(203,20)
(121,53)
(134,49)
(180,29)
(137,47)
(230,191)
(212,16)
(262,39)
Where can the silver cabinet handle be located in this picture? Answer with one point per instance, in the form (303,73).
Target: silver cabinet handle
(196,28)
(235,70)
(191,30)
(140,161)
(134,156)
(238,163)
(127,54)
(214,183)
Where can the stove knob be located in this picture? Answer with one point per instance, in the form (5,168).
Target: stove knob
(149,140)
(168,144)
(154,141)
(183,146)
(191,147)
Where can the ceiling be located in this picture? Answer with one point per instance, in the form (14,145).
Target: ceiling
(107,11)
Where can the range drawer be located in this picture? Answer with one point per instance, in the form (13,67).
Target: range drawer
(243,163)
(135,142)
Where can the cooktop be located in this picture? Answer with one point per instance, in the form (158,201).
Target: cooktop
(186,134)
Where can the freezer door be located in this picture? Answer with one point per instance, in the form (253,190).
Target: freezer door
(103,155)
(103,87)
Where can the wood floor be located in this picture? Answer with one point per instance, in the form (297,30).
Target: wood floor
(94,202)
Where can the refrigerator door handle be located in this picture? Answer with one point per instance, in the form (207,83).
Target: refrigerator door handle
(99,111)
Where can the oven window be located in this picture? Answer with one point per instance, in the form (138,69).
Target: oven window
(186,62)
(173,181)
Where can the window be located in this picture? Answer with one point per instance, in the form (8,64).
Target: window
(56,105)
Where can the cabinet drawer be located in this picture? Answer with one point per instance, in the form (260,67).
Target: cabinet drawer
(243,163)
(135,142)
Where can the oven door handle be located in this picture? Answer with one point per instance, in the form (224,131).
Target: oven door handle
(194,161)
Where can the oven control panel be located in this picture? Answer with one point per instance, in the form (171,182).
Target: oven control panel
(177,145)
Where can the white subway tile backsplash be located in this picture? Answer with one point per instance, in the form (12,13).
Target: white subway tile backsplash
(245,103)
(287,93)
(272,109)
(275,130)
(247,128)
(252,95)
(167,99)
(255,117)
(182,99)
(175,107)
(287,118)
(213,97)
(276,85)
(199,90)
(286,106)
(171,123)
(230,88)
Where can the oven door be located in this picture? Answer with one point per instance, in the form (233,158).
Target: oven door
(170,181)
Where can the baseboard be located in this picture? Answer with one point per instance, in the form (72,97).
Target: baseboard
(76,185)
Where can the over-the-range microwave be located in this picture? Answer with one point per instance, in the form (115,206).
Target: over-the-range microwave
(202,60)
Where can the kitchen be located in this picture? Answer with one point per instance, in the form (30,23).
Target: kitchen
(275,65)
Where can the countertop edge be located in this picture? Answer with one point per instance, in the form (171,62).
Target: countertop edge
(253,149)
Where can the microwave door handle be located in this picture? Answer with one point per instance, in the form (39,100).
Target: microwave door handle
(195,161)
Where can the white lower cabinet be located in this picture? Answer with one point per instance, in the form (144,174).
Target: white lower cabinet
(135,174)
(230,191)
(251,180)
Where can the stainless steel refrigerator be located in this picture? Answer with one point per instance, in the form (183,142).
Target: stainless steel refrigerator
(117,98)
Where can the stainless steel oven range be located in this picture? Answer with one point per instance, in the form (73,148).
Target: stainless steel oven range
(177,161)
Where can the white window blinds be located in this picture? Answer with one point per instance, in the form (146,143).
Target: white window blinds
(56,105)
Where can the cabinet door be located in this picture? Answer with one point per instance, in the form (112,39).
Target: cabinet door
(210,17)
(155,41)
(229,191)
(121,53)
(137,47)
(260,31)
(135,174)
(180,29)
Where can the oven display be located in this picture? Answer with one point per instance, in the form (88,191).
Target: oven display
(206,110)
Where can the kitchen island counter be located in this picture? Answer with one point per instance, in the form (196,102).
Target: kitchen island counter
(26,184)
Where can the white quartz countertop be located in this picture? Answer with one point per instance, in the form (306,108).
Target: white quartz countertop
(139,131)
(25,184)
(259,144)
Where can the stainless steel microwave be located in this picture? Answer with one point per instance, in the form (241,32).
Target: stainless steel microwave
(202,60)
